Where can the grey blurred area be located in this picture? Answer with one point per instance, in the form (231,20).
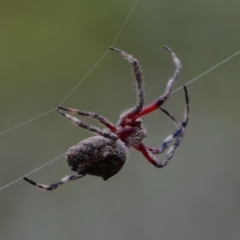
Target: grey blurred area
(48,47)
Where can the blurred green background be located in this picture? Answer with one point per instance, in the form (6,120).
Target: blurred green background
(47,47)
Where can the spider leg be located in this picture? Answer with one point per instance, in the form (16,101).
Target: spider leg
(138,76)
(178,135)
(179,131)
(152,159)
(149,151)
(180,126)
(96,116)
(160,100)
(53,186)
(105,133)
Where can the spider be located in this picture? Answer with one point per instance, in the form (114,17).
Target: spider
(105,154)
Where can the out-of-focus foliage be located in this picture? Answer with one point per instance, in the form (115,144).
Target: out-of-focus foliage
(47,47)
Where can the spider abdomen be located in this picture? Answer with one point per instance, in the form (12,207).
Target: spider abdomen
(98,156)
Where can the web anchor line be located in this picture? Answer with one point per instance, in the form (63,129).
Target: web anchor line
(209,70)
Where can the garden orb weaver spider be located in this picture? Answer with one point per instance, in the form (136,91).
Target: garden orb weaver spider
(104,155)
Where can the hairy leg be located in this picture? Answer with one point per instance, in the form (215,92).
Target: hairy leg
(149,152)
(151,157)
(96,116)
(169,88)
(53,186)
(180,127)
(105,133)
(140,92)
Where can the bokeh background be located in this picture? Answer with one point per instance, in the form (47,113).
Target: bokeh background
(47,47)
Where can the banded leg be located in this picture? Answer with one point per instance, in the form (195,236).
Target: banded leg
(151,157)
(180,127)
(138,76)
(149,152)
(160,100)
(96,116)
(53,186)
(105,133)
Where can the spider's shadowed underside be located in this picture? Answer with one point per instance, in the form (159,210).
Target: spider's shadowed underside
(104,155)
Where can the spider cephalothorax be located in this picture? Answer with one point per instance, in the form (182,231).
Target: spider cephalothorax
(105,155)
(131,134)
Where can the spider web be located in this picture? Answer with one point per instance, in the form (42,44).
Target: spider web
(54,160)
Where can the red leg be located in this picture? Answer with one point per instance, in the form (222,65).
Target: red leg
(160,100)
(152,106)
(153,150)
(149,156)
(149,152)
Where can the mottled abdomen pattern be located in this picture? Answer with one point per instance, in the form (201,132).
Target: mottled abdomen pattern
(98,156)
